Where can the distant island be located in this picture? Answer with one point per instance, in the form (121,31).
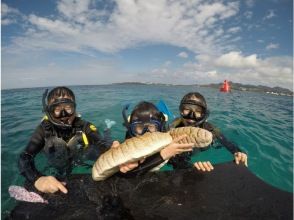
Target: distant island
(234,86)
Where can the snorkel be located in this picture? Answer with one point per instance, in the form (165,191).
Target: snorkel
(125,117)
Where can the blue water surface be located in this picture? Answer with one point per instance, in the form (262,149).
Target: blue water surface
(261,124)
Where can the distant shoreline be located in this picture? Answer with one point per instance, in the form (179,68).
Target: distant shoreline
(234,86)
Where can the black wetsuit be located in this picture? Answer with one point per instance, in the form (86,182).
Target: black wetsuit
(44,133)
(182,161)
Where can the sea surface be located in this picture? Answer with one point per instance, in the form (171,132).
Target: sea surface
(260,124)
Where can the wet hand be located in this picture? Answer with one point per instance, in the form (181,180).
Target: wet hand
(241,157)
(175,148)
(126,166)
(49,184)
(115,144)
(203,166)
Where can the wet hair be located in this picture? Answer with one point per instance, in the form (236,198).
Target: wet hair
(60,91)
(145,110)
(193,96)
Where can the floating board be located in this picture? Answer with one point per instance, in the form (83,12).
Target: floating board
(229,192)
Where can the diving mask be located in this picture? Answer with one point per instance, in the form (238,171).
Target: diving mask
(139,128)
(193,112)
(62,108)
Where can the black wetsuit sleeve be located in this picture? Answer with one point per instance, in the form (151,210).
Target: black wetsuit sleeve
(148,164)
(26,162)
(181,161)
(95,138)
(233,148)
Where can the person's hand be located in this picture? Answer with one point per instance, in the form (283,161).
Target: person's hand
(203,166)
(49,184)
(241,157)
(126,166)
(175,148)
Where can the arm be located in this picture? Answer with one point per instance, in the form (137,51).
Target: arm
(166,153)
(233,148)
(145,166)
(26,162)
(97,145)
(181,161)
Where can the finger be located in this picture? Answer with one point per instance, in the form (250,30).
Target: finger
(52,188)
(131,166)
(237,157)
(63,183)
(179,138)
(189,145)
(244,157)
(206,166)
(246,163)
(184,150)
(197,166)
(123,169)
(244,160)
(210,165)
(201,166)
(115,144)
(61,187)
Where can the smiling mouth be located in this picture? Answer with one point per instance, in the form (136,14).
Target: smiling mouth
(64,120)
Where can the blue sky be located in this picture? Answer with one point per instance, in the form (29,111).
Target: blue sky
(69,42)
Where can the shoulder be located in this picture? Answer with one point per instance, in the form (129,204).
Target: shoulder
(85,125)
(212,128)
(208,126)
(177,122)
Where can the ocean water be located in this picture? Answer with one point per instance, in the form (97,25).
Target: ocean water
(261,124)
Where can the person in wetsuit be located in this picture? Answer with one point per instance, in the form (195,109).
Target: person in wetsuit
(145,117)
(194,112)
(64,137)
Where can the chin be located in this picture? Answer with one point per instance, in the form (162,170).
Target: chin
(189,122)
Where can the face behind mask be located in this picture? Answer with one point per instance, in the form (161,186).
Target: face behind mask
(62,111)
(139,127)
(193,112)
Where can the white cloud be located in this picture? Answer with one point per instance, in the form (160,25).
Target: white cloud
(272,46)
(234,29)
(270,14)
(80,27)
(248,14)
(9,15)
(249,3)
(236,60)
(234,66)
(198,26)
(167,63)
(183,55)
(260,41)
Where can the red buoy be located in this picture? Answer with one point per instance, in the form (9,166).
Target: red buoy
(225,87)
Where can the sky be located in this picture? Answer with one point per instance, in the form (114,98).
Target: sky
(71,42)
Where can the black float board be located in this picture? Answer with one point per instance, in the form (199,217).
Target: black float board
(228,192)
